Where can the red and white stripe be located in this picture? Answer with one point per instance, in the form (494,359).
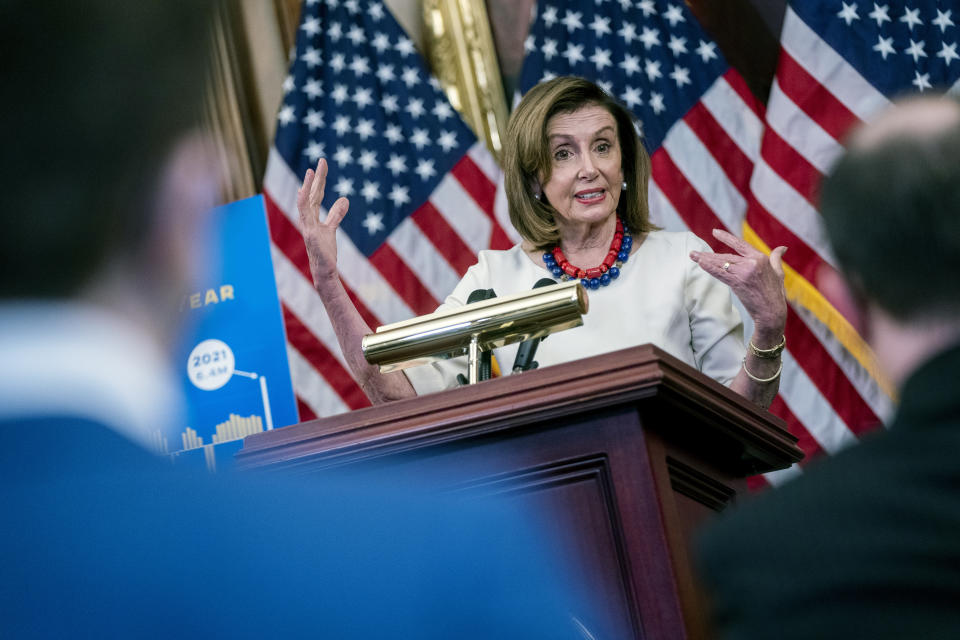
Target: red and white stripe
(816,97)
(408,275)
(727,161)
(720,165)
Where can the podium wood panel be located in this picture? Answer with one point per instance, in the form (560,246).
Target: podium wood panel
(626,454)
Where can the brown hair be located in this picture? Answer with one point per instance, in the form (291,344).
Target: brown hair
(526,157)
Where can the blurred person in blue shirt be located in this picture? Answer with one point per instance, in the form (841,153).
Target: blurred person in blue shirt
(106,186)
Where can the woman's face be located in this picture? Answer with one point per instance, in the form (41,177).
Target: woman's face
(586,176)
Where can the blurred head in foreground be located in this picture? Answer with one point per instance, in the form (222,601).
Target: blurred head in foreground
(104,172)
(106,187)
(892,213)
(866,539)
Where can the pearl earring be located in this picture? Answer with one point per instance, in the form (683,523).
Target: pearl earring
(623,186)
(536,195)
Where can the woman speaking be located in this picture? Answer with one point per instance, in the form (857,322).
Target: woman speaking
(576,181)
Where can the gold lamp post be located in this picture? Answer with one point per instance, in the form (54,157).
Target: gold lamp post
(475,328)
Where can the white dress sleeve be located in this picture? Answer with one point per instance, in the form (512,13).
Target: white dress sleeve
(716,330)
(662,297)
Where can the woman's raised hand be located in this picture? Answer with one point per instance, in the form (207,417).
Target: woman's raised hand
(755,278)
(320,238)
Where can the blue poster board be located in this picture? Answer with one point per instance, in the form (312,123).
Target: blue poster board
(236,378)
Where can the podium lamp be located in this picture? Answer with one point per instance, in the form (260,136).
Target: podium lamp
(475,328)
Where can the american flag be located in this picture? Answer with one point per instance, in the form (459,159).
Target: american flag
(421,187)
(840,62)
(720,159)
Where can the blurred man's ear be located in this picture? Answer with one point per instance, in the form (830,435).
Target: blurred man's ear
(178,251)
(844,298)
(187,188)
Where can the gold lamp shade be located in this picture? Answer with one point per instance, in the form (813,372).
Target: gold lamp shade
(487,324)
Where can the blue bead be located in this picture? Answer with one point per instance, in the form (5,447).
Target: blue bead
(594,283)
(626,243)
(556,271)
(622,256)
(614,272)
(605,279)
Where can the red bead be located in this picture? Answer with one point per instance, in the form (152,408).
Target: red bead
(611,258)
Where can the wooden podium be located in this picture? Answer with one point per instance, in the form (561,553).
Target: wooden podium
(626,452)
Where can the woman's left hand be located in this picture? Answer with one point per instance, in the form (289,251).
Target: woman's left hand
(755,278)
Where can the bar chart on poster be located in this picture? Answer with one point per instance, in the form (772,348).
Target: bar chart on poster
(233,356)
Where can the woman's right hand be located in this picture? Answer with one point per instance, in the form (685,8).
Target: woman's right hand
(320,238)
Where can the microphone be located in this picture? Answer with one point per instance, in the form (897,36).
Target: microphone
(486,362)
(478,295)
(528,348)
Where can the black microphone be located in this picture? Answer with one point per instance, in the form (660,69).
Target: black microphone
(486,357)
(478,295)
(528,348)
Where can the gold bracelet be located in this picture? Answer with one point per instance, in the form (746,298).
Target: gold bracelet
(761,380)
(771,353)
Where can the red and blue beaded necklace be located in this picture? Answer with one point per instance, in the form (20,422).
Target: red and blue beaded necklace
(609,269)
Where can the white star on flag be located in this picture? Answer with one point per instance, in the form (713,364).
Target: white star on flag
(849,13)
(880,14)
(948,53)
(884,46)
(922,81)
(911,17)
(943,19)
(916,50)
(286,115)
(373,222)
